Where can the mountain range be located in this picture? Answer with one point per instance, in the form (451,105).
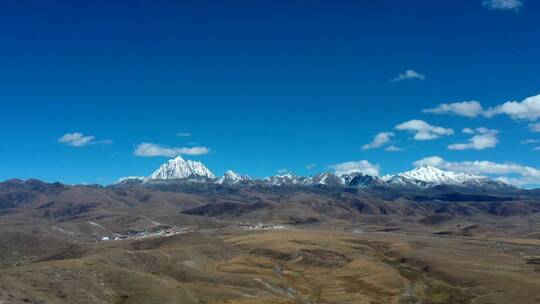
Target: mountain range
(170,224)
(425,177)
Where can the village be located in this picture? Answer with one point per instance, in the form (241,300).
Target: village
(160,231)
(261,226)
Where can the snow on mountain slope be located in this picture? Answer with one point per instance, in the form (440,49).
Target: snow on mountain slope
(287,180)
(232,178)
(358,179)
(178,168)
(327,179)
(431,176)
(324,179)
(423,177)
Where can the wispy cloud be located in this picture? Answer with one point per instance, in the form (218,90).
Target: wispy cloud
(393,148)
(184,134)
(408,75)
(422,130)
(464,108)
(531,142)
(152,150)
(484,138)
(78,139)
(535,127)
(310,166)
(75,139)
(379,140)
(362,166)
(468,131)
(502,5)
(505,172)
(283,171)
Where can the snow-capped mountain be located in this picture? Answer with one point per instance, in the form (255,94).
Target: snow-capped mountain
(421,177)
(430,176)
(361,180)
(130,181)
(131,178)
(232,178)
(286,180)
(179,168)
(326,179)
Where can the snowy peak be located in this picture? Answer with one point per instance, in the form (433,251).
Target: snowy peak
(361,180)
(327,179)
(179,168)
(421,177)
(287,180)
(433,176)
(324,179)
(232,178)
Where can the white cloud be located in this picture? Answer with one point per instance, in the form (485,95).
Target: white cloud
(379,140)
(502,5)
(362,166)
(283,171)
(433,161)
(528,109)
(422,130)
(310,166)
(150,149)
(465,108)
(75,139)
(536,148)
(529,141)
(409,74)
(484,138)
(78,139)
(393,148)
(468,131)
(535,127)
(184,134)
(507,172)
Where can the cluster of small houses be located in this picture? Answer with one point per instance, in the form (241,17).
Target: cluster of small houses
(170,231)
(261,226)
(139,234)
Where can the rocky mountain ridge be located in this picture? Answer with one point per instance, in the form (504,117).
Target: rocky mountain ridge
(425,177)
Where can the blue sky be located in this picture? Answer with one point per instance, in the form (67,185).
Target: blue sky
(263,86)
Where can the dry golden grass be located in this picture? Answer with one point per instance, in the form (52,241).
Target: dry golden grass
(289,266)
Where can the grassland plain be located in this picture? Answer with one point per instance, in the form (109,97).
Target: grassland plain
(288,266)
(206,243)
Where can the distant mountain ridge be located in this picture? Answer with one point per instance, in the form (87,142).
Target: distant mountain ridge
(432,175)
(424,177)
